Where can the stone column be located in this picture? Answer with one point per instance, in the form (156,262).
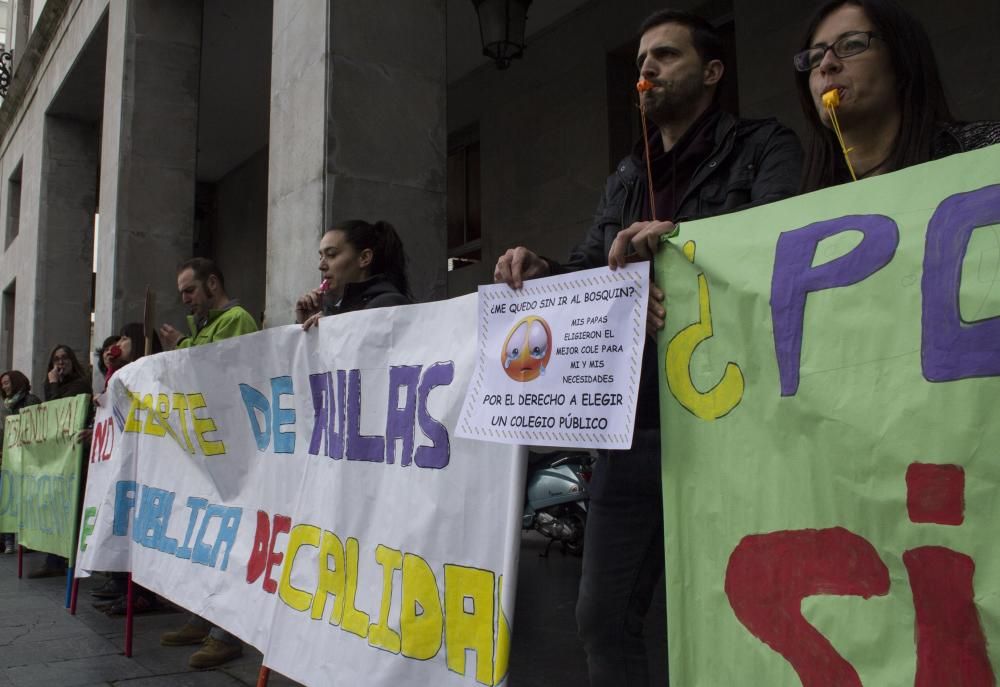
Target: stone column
(296,154)
(65,237)
(148,158)
(386,126)
(357,116)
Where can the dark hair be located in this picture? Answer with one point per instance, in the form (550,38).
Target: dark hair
(203,268)
(705,37)
(76,370)
(136,333)
(108,343)
(18,382)
(922,100)
(388,254)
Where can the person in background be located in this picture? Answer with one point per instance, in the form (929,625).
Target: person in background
(130,346)
(214,317)
(116,353)
(105,358)
(363,266)
(16,391)
(66,377)
(893,112)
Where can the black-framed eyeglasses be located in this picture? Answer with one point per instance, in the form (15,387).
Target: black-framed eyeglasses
(848,45)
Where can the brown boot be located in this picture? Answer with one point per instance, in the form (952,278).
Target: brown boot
(214,653)
(189,634)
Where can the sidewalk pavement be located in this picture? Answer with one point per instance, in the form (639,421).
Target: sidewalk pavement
(42,645)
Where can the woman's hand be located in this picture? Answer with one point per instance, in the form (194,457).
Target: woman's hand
(311,320)
(308,305)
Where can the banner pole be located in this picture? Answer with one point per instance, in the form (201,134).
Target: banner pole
(69,586)
(72,598)
(263,676)
(148,326)
(20,560)
(129,596)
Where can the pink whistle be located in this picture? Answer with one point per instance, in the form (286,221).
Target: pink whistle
(324,285)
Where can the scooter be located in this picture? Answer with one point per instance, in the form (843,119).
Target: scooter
(556,498)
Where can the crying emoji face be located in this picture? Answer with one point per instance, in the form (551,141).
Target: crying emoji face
(527,350)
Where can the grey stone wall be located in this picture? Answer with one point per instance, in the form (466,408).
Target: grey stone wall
(296,157)
(357,131)
(240,217)
(148,158)
(65,229)
(386,126)
(22,139)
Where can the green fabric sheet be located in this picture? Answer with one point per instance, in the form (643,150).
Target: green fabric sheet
(40,488)
(831,500)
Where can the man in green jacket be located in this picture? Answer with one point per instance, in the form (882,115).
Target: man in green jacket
(214,317)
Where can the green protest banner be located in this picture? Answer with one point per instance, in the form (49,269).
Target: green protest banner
(830,377)
(41,488)
(10,477)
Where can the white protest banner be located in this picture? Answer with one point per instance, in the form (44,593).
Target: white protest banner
(559,360)
(103,471)
(306,491)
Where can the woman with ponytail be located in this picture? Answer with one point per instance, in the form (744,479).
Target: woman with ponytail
(363,266)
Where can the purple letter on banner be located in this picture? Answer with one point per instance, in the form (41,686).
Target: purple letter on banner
(438,454)
(400,422)
(794,278)
(952,348)
(360,446)
(320,384)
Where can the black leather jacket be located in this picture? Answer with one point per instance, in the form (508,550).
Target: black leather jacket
(959,137)
(375,292)
(755,161)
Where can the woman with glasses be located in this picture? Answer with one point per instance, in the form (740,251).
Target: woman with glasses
(892,111)
(66,377)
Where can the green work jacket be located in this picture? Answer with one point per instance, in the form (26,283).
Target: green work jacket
(226,323)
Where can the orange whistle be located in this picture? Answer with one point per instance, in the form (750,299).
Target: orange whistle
(643,85)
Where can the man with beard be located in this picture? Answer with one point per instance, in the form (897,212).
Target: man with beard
(214,317)
(704,162)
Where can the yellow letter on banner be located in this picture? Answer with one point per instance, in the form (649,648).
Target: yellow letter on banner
(153,429)
(472,629)
(301,535)
(330,581)
(502,657)
(133,423)
(724,396)
(202,426)
(420,632)
(380,635)
(355,621)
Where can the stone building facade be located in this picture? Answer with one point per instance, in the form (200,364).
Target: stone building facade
(137,133)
